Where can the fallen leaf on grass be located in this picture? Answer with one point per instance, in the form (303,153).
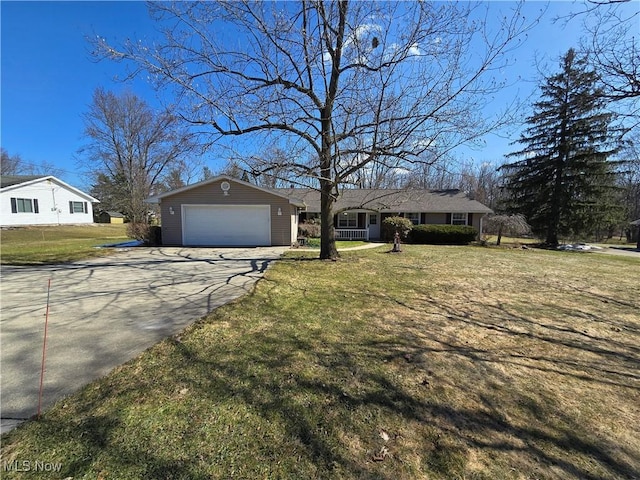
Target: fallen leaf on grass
(381,455)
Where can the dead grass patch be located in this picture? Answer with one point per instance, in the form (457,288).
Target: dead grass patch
(437,363)
(57,244)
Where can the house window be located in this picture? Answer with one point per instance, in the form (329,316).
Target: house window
(348,220)
(24,205)
(78,207)
(458,219)
(373,219)
(414,217)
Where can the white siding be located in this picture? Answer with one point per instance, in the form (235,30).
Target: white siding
(53,205)
(294,225)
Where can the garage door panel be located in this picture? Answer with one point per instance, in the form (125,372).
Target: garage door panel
(226,225)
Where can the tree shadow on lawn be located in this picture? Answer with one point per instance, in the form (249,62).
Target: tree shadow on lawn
(438,396)
(360,386)
(99,454)
(556,358)
(518,426)
(610,356)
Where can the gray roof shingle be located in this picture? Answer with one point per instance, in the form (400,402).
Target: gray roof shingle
(9,180)
(393,201)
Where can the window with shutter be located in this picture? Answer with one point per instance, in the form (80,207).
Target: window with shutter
(24,205)
(413,216)
(458,219)
(77,207)
(348,220)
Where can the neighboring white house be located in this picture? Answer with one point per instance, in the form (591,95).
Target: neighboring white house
(42,200)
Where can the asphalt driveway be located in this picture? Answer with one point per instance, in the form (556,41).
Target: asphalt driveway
(105,311)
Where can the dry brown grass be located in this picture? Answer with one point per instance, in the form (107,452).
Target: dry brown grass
(57,244)
(436,363)
(534,357)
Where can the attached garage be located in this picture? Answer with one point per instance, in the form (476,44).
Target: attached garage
(226,225)
(227,212)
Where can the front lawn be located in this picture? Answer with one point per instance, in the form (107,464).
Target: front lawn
(57,244)
(340,244)
(435,363)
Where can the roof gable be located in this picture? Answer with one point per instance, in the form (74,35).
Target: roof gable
(277,192)
(112,214)
(10,180)
(14,182)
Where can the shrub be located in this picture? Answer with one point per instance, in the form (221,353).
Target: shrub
(442,234)
(138,230)
(391,225)
(149,234)
(310,229)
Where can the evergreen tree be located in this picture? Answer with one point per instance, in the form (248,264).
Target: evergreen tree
(563,180)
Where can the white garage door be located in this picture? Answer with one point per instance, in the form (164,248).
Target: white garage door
(226,225)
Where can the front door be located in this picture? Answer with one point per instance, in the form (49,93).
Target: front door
(373,224)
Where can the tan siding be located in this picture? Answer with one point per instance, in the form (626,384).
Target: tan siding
(476,220)
(212,194)
(435,218)
(441,218)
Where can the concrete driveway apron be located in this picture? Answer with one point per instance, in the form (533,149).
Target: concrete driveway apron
(103,312)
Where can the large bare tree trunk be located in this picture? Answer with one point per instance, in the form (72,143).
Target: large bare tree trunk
(356,88)
(328,248)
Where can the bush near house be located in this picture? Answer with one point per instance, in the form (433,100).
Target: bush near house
(391,225)
(442,234)
(310,229)
(138,230)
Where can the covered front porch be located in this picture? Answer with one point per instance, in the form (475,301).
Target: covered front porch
(352,234)
(357,225)
(352,224)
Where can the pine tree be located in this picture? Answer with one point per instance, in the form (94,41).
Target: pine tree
(563,180)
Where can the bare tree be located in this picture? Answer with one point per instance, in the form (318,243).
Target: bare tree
(16,165)
(513,225)
(130,150)
(271,167)
(481,182)
(183,172)
(612,47)
(353,85)
(438,175)
(10,164)
(206,173)
(629,182)
(233,169)
(610,42)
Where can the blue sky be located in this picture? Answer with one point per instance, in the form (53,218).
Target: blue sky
(48,77)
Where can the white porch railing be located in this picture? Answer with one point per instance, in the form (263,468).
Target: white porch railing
(352,234)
